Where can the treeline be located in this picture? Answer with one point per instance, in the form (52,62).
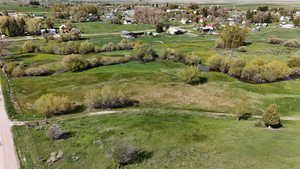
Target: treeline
(255,71)
(72,47)
(75,12)
(11,26)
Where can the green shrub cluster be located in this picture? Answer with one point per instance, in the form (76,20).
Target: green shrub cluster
(74,63)
(50,104)
(145,53)
(72,47)
(177,56)
(108,97)
(190,75)
(257,70)
(288,43)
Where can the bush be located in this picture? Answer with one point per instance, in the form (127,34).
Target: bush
(29,47)
(173,55)
(236,67)
(276,41)
(50,104)
(292,43)
(271,116)
(190,75)
(146,54)
(72,47)
(74,63)
(192,60)
(38,71)
(108,97)
(294,62)
(9,67)
(97,61)
(215,62)
(86,47)
(296,21)
(243,111)
(275,70)
(125,154)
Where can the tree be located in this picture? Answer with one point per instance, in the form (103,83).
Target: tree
(148,15)
(3,48)
(297,21)
(271,116)
(34,25)
(233,36)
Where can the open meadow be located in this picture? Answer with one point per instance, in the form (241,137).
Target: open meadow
(173,100)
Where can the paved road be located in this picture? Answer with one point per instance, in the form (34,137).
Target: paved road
(8,155)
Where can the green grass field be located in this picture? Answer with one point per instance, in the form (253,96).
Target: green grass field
(170,140)
(21,8)
(166,124)
(101,27)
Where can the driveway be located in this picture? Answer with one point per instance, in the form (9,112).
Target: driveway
(8,155)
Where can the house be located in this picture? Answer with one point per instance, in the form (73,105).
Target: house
(185,20)
(288,26)
(2,37)
(297,14)
(49,31)
(285,19)
(131,35)
(175,31)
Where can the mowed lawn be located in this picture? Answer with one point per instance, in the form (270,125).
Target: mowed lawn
(169,140)
(101,27)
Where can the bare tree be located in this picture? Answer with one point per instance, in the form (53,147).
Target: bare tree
(148,15)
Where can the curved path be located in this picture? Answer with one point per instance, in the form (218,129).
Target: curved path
(8,155)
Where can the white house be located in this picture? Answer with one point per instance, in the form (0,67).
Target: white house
(288,26)
(185,20)
(175,31)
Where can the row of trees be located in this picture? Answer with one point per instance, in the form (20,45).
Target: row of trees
(76,12)
(257,70)
(18,26)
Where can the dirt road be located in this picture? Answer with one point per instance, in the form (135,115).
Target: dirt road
(8,155)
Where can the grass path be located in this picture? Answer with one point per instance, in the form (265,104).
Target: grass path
(107,112)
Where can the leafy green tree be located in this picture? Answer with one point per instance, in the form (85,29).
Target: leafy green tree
(297,21)
(233,36)
(271,116)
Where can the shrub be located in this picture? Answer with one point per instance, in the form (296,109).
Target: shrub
(190,75)
(294,62)
(86,47)
(74,63)
(296,21)
(275,70)
(236,67)
(38,71)
(276,41)
(271,116)
(108,97)
(173,55)
(292,43)
(29,47)
(108,47)
(192,60)
(125,154)
(146,54)
(243,111)
(50,104)
(97,61)
(9,67)
(215,62)
(18,72)
(72,47)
